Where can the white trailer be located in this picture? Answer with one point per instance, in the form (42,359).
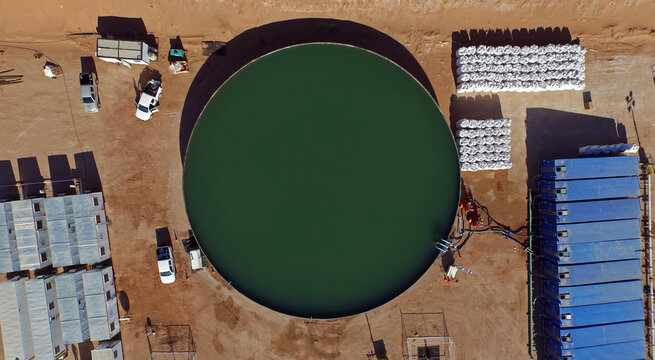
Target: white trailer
(126,52)
(196,260)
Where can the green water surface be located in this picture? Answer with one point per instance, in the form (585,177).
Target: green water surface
(317,177)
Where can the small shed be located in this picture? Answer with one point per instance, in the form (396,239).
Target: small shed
(91,228)
(15,319)
(32,247)
(44,315)
(101,303)
(60,230)
(108,350)
(72,308)
(8,253)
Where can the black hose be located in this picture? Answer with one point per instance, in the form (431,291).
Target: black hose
(491,225)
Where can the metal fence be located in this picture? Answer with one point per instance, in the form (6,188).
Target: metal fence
(425,337)
(170,342)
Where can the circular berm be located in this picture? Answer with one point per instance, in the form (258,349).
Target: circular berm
(317,177)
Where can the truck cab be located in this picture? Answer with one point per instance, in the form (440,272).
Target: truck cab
(89,92)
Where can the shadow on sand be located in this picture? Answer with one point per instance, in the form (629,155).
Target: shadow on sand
(30,178)
(163,237)
(88,65)
(552,134)
(124,300)
(146,75)
(87,171)
(124,28)
(259,41)
(85,350)
(479,107)
(8,188)
(32,181)
(61,175)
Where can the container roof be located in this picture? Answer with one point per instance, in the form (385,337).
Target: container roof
(14,316)
(42,331)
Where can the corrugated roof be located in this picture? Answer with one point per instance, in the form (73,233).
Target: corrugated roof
(82,205)
(72,306)
(69,284)
(40,319)
(69,226)
(8,255)
(109,43)
(105,350)
(93,282)
(14,318)
(4,236)
(8,261)
(85,229)
(100,312)
(129,54)
(62,255)
(61,244)
(107,52)
(29,258)
(99,329)
(72,332)
(26,239)
(22,209)
(55,208)
(130,45)
(96,306)
(69,308)
(88,253)
(87,239)
(3,213)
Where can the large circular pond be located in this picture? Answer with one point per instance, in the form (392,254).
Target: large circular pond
(317,178)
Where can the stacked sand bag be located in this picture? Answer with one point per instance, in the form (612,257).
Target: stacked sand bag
(524,69)
(484,144)
(608,149)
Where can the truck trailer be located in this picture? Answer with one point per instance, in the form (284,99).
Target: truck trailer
(126,52)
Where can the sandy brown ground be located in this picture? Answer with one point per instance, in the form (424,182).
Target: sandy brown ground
(140,167)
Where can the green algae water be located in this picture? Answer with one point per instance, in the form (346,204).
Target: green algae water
(317,178)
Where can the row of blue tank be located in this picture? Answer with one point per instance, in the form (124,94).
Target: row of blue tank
(590,230)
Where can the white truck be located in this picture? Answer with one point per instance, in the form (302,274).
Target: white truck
(198,261)
(126,52)
(165,264)
(148,100)
(89,92)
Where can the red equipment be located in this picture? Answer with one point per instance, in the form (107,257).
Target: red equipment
(470,210)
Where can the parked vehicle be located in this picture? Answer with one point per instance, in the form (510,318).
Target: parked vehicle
(198,261)
(165,264)
(148,100)
(89,92)
(126,52)
(178,60)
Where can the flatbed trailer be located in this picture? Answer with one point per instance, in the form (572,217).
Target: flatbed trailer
(127,52)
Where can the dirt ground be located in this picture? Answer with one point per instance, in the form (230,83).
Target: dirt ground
(140,168)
